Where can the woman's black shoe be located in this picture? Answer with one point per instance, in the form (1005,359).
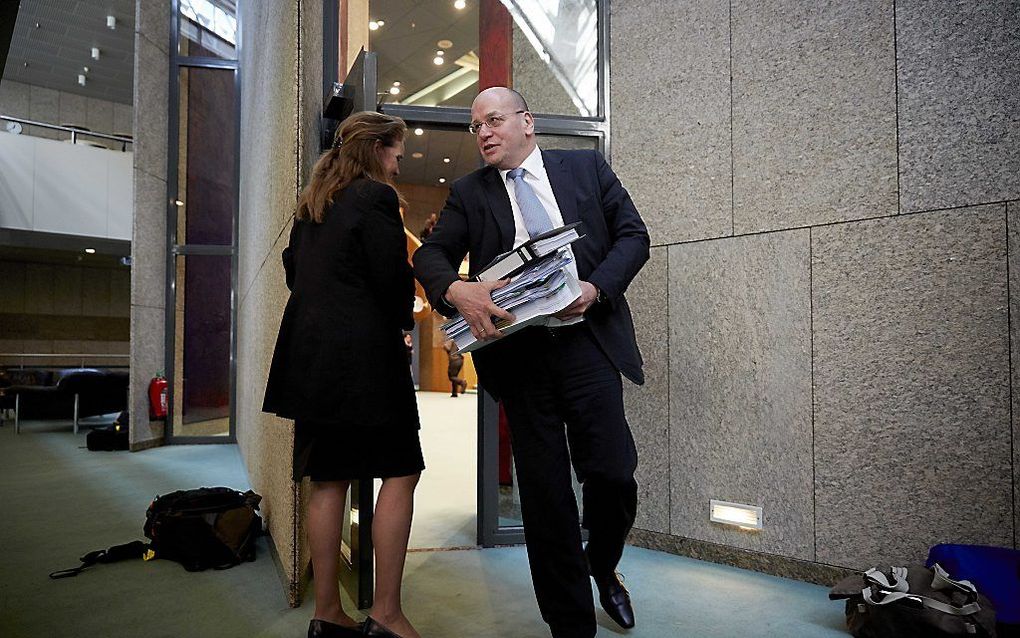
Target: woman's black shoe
(325,629)
(372,628)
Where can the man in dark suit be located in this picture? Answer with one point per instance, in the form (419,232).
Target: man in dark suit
(564,374)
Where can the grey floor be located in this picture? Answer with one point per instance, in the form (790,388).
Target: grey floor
(60,500)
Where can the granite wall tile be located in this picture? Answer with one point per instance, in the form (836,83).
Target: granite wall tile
(44,106)
(1013,224)
(120,293)
(646,405)
(740,388)
(148,241)
(268,192)
(123,119)
(39,288)
(96,293)
(268,189)
(72,109)
(151,95)
(152,20)
(814,113)
(147,358)
(13,286)
(99,117)
(911,373)
(671,106)
(15,99)
(68,293)
(959,102)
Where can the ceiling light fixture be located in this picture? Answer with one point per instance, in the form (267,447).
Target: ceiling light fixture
(373,25)
(438,61)
(459,4)
(440,53)
(396,84)
(111,22)
(419,131)
(90,251)
(394,90)
(95,53)
(446,160)
(444,44)
(442,180)
(417,155)
(81,79)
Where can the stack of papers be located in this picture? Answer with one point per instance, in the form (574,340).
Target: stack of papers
(513,262)
(544,288)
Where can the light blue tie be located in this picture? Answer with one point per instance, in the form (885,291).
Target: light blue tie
(536,218)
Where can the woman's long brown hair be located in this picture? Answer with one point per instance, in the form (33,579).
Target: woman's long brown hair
(353,156)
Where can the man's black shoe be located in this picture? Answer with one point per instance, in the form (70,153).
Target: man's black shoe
(615,599)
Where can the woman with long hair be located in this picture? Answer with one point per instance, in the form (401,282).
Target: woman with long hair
(340,365)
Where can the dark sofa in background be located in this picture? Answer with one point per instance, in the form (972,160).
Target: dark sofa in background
(51,393)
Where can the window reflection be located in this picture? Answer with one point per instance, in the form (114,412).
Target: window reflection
(564,34)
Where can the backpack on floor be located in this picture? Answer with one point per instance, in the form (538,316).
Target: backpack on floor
(207,527)
(993,570)
(111,437)
(914,602)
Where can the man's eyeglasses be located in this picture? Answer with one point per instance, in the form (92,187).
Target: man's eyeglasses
(493,121)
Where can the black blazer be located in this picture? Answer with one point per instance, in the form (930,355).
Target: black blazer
(478,219)
(340,354)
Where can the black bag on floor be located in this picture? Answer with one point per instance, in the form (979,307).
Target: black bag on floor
(914,602)
(208,527)
(111,437)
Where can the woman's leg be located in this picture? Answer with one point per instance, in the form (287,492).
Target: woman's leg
(391,527)
(325,516)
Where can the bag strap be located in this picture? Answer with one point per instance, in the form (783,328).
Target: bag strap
(942,580)
(898,583)
(891,597)
(134,549)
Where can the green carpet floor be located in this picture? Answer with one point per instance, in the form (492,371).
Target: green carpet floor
(58,500)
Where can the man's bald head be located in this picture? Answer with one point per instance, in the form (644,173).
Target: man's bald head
(510,138)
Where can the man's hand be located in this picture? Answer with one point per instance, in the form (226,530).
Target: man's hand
(589,294)
(473,300)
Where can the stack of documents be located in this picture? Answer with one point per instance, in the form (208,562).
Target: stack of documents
(513,262)
(543,288)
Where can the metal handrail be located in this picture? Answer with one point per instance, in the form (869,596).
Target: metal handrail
(80,356)
(67,129)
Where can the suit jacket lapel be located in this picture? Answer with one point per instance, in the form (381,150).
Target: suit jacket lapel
(562,187)
(499,205)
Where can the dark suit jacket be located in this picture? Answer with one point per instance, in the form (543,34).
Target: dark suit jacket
(478,219)
(340,354)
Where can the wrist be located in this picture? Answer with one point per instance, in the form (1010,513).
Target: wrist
(447,296)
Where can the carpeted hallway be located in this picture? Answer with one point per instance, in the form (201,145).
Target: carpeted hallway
(60,500)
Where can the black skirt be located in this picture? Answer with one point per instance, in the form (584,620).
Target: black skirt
(331,451)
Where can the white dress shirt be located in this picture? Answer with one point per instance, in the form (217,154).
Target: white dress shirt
(536,177)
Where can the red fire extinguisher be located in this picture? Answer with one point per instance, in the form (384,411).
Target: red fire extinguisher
(157,397)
